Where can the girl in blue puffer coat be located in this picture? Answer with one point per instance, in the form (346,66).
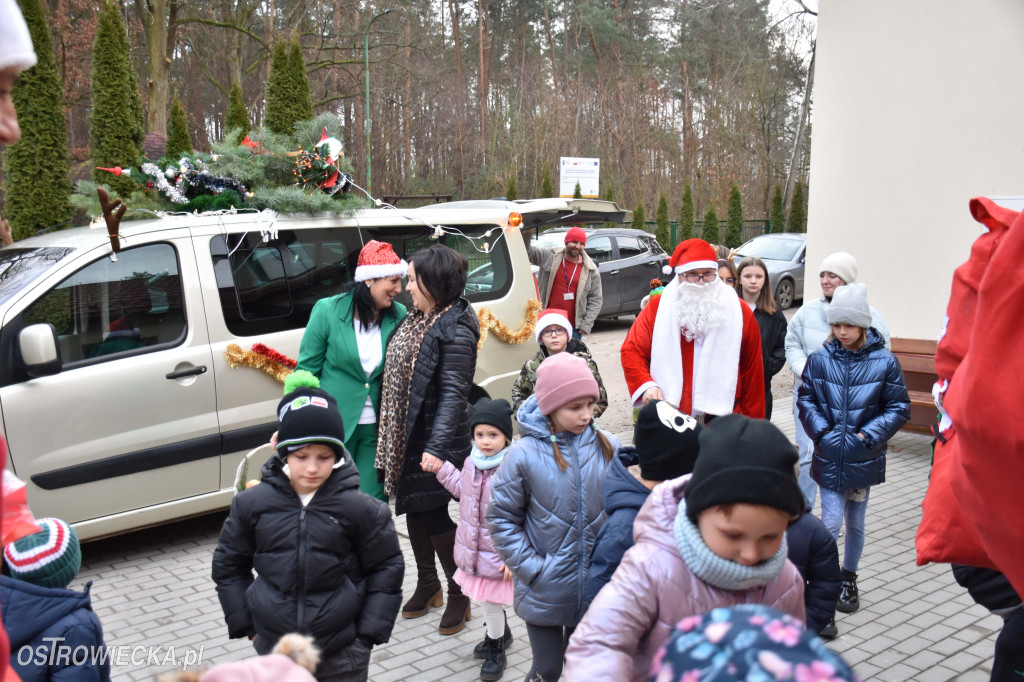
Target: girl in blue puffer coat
(546,506)
(851,402)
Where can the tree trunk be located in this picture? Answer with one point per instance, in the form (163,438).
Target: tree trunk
(804,111)
(484,85)
(160,31)
(406,110)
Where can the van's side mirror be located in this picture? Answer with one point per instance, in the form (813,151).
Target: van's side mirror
(40,350)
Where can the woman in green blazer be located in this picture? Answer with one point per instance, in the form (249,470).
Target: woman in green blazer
(344,346)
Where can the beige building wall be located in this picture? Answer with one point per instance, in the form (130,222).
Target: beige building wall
(918,107)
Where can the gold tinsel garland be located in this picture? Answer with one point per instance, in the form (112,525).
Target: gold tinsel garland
(488,322)
(236,357)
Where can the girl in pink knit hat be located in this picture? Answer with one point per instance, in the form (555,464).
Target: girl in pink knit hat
(546,506)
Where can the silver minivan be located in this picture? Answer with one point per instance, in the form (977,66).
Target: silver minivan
(117,402)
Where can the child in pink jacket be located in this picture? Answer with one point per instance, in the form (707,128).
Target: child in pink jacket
(714,538)
(481,573)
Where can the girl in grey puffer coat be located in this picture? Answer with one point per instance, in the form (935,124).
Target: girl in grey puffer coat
(546,508)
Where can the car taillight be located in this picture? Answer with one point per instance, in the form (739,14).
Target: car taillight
(536,286)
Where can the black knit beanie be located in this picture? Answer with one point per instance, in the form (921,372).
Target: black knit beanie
(747,461)
(666,441)
(309,415)
(496,413)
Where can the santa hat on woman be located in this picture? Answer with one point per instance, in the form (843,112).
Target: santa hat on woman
(692,254)
(378,259)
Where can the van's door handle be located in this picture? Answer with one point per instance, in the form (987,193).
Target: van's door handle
(614,272)
(201,369)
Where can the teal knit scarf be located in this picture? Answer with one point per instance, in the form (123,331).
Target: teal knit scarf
(713,569)
(482,462)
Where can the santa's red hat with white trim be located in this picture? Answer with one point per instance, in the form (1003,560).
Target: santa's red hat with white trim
(552,316)
(692,254)
(378,259)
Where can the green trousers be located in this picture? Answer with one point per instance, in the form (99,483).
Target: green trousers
(363,448)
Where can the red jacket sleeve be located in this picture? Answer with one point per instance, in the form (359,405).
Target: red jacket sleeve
(636,349)
(750,382)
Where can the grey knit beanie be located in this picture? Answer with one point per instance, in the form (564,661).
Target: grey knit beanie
(850,306)
(842,264)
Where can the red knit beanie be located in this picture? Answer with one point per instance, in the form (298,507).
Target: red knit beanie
(561,379)
(576,234)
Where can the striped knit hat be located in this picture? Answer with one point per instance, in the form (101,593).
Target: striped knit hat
(49,558)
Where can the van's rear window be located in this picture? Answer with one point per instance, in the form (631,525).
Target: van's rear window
(272,286)
(20,267)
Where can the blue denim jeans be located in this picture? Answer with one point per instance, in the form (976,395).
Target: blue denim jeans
(834,509)
(803,443)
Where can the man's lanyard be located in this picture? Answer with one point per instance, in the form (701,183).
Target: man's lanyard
(565,273)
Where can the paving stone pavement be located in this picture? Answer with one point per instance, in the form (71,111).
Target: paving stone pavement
(152,588)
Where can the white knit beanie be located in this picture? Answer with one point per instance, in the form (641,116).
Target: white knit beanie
(15,42)
(842,264)
(850,306)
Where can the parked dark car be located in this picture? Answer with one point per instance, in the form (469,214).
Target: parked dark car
(628,261)
(784,254)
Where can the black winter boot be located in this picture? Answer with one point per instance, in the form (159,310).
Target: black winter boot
(480,650)
(830,631)
(849,599)
(457,612)
(428,587)
(494,664)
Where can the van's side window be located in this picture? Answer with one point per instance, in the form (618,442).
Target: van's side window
(116,307)
(271,286)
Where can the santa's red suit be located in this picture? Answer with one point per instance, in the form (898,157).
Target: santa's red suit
(729,374)
(636,362)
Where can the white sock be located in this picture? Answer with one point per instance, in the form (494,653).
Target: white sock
(494,618)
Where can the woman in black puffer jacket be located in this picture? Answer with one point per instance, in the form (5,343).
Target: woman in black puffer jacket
(428,373)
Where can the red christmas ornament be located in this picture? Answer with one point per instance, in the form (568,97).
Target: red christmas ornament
(116,170)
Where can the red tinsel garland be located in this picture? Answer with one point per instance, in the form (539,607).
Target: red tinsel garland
(273,355)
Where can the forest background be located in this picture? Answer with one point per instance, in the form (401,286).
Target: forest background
(480,98)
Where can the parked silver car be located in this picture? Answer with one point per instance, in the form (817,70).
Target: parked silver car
(627,259)
(784,254)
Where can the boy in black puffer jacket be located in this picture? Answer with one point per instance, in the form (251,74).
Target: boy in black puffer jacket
(326,554)
(815,554)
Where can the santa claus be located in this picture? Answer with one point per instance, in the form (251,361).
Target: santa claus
(697,345)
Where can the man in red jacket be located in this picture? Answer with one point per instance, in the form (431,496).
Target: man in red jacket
(697,345)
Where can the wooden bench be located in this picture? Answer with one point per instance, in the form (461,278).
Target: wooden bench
(917,358)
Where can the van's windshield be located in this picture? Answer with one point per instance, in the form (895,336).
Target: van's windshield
(20,267)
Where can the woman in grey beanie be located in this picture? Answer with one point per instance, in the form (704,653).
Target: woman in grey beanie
(852,400)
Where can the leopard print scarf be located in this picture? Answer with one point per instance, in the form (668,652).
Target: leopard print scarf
(399,364)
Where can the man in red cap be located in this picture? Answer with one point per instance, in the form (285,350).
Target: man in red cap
(569,280)
(697,345)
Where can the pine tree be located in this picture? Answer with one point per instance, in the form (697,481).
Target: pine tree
(238,116)
(300,83)
(734,231)
(279,117)
(577,193)
(545,185)
(512,193)
(639,217)
(663,230)
(778,215)
(36,184)
(178,140)
(709,230)
(797,212)
(115,129)
(686,216)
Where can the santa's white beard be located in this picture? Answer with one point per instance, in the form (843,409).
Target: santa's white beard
(702,307)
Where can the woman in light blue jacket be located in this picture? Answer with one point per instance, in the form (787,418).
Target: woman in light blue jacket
(807,332)
(546,506)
